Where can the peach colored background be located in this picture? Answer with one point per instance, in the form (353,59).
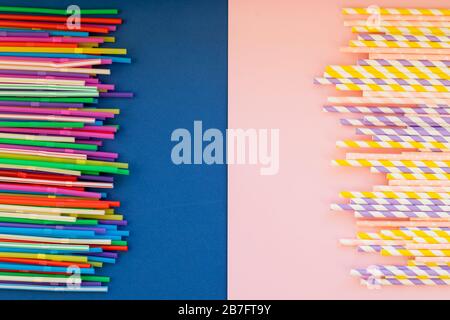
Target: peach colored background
(282,236)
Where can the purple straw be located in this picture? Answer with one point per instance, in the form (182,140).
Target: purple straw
(116,94)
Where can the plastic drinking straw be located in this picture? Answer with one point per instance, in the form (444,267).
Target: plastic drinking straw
(58,183)
(22,33)
(65,132)
(121,165)
(56,118)
(37,137)
(57,11)
(16,17)
(67,55)
(72,50)
(81,113)
(41,124)
(54,26)
(80,289)
(48,144)
(57,240)
(67,166)
(53,69)
(34,217)
(386,72)
(51,39)
(53,190)
(382,100)
(49,32)
(50,99)
(45,262)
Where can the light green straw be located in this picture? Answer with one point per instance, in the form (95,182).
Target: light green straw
(49,144)
(63,100)
(40,124)
(59,165)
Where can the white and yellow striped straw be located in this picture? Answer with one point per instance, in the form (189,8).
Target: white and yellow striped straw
(397,11)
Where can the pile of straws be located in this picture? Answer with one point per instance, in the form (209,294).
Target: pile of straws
(54,229)
(403,114)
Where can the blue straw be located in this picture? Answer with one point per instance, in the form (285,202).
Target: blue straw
(26,267)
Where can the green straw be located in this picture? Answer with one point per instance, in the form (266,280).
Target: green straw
(56,11)
(40,124)
(46,87)
(81,222)
(51,94)
(119,243)
(59,165)
(63,100)
(50,144)
(82,277)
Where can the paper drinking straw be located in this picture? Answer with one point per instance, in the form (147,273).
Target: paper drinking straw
(398,44)
(410,138)
(432,240)
(438,84)
(410,131)
(395,195)
(425,183)
(399,23)
(335,71)
(440,54)
(372,214)
(392,251)
(388,144)
(417,176)
(393,224)
(387,201)
(437,96)
(403,62)
(390,163)
(436,31)
(412,188)
(409,56)
(359,242)
(405,282)
(406,271)
(392,88)
(398,11)
(439,211)
(382,110)
(381,100)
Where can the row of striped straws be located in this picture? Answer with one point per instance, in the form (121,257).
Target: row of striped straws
(401,114)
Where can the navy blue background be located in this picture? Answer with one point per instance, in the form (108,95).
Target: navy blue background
(177,214)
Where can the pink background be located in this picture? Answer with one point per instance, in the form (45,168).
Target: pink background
(282,235)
